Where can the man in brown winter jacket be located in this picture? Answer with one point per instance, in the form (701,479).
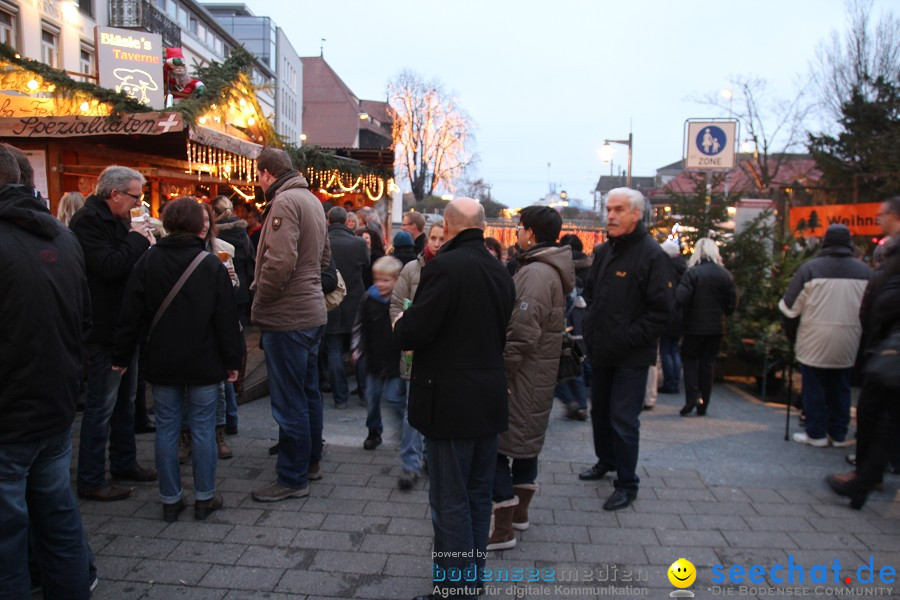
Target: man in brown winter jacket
(289,308)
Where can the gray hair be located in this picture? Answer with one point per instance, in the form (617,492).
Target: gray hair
(116,178)
(433,224)
(635,198)
(705,250)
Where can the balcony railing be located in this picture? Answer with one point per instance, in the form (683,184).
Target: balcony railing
(140,14)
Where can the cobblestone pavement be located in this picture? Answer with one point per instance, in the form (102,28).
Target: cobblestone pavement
(725,489)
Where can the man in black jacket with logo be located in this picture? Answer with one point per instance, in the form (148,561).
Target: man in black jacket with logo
(46,309)
(458,393)
(630,299)
(112,243)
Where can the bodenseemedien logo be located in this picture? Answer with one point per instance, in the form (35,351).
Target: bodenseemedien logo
(682,574)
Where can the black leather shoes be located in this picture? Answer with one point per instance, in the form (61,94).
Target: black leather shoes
(848,487)
(135,473)
(619,499)
(107,493)
(687,409)
(171,511)
(596,472)
(203,508)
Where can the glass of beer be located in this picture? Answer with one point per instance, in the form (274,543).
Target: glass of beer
(137,213)
(223,255)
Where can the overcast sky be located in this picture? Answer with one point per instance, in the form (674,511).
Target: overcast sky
(546,82)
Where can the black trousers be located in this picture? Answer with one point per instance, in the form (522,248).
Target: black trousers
(617,397)
(698,356)
(877,426)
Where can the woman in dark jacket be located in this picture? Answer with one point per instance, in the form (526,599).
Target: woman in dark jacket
(194,345)
(404,248)
(707,295)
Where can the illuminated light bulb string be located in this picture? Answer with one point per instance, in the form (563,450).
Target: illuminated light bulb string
(219,163)
(332,184)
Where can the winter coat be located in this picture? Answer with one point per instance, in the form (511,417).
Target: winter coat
(407,285)
(293,252)
(582,264)
(826,293)
(457,328)
(373,336)
(110,253)
(880,310)
(630,297)
(405,254)
(46,308)
(234,231)
(706,295)
(197,339)
(533,345)
(352,259)
(676,323)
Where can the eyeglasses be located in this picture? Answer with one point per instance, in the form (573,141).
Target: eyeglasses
(520,227)
(138,198)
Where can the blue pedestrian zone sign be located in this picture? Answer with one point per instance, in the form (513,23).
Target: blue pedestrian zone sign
(710,145)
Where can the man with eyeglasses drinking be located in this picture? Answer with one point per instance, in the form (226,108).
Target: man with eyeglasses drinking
(112,243)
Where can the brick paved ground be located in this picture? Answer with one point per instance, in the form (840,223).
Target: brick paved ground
(725,489)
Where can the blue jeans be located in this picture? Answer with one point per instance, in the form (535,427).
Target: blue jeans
(199,401)
(35,491)
(671,364)
(461,475)
(231,406)
(523,471)
(291,360)
(108,416)
(393,392)
(571,391)
(617,397)
(340,389)
(826,402)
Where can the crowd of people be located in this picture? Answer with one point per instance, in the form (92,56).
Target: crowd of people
(459,351)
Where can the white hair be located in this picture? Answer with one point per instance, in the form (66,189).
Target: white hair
(118,178)
(635,198)
(705,249)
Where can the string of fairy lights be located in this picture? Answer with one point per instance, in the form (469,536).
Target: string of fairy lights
(219,163)
(333,184)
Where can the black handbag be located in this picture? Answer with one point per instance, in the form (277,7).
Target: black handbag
(883,364)
(570,359)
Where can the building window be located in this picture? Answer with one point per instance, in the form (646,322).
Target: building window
(50,48)
(86,7)
(172,9)
(87,61)
(192,25)
(8,29)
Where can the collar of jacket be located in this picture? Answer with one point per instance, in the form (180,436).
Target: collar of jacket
(629,239)
(20,206)
(340,227)
(466,236)
(836,251)
(102,208)
(524,257)
(279,183)
(181,240)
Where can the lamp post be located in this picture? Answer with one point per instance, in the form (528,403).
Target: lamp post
(606,150)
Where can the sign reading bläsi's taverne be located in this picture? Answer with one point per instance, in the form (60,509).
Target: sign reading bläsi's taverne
(152,123)
(131,62)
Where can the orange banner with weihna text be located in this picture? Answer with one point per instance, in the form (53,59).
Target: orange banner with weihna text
(812,221)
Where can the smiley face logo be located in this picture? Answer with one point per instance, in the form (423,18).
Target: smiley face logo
(682,573)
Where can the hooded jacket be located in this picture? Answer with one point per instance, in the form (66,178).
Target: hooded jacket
(630,296)
(110,253)
(407,284)
(533,344)
(234,231)
(825,294)
(46,310)
(293,251)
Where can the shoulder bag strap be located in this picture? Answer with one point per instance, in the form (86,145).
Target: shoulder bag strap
(175,289)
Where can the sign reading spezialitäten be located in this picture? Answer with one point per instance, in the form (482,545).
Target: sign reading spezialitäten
(131,62)
(152,123)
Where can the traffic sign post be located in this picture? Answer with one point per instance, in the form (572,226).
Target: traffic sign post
(710,145)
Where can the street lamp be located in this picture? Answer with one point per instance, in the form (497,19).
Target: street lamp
(606,150)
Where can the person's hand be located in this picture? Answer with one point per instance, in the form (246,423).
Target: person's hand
(231,272)
(233,375)
(143,228)
(120,370)
(394,323)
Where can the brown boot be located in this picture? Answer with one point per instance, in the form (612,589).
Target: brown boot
(224,451)
(184,446)
(524,493)
(502,537)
